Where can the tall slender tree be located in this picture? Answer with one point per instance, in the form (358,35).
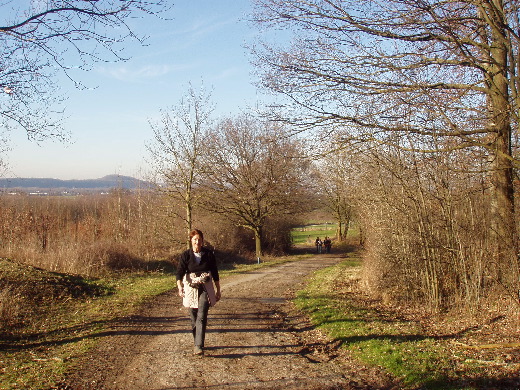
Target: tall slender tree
(177,150)
(334,177)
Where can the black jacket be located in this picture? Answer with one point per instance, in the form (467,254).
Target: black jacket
(187,264)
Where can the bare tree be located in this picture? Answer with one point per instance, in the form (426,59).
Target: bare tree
(335,183)
(178,147)
(426,225)
(254,172)
(50,36)
(441,73)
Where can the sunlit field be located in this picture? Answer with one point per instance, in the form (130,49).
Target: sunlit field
(307,234)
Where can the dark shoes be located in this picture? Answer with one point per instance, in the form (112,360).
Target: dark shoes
(198,350)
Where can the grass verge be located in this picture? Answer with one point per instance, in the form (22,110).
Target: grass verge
(59,316)
(336,306)
(236,268)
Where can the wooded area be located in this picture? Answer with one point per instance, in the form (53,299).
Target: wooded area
(400,116)
(423,98)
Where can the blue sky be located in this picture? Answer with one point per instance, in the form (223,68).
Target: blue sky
(204,43)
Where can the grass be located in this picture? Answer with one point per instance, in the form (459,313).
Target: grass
(307,234)
(396,345)
(54,318)
(266,261)
(57,317)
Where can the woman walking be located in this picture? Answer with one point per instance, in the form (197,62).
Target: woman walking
(196,273)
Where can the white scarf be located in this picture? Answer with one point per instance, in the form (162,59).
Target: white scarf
(191,289)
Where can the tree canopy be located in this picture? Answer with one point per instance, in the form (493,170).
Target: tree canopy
(253,171)
(422,75)
(39,39)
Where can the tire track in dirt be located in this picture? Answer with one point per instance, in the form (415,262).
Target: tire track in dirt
(255,340)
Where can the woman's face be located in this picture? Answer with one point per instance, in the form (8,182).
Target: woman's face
(196,243)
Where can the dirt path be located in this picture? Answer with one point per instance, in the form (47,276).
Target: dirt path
(255,340)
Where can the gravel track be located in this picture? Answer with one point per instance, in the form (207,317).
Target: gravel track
(256,339)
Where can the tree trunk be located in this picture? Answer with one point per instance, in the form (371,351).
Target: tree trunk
(339,231)
(345,230)
(258,241)
(503,227)
(502,203)
(188,222)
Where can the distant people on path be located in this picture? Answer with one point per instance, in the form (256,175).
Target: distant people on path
(319,245)
(196,273)
(327,243)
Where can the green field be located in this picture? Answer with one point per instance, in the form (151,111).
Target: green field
(308,233)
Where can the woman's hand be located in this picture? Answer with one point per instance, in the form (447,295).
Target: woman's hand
(180,288)
(217,294)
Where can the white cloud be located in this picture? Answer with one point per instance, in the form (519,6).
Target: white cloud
(130,74)
(202,28)
(228,73)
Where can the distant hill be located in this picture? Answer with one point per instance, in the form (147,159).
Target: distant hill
(45,184)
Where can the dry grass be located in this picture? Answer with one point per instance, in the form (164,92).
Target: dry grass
(11,307)
(48,319)
(27,292)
